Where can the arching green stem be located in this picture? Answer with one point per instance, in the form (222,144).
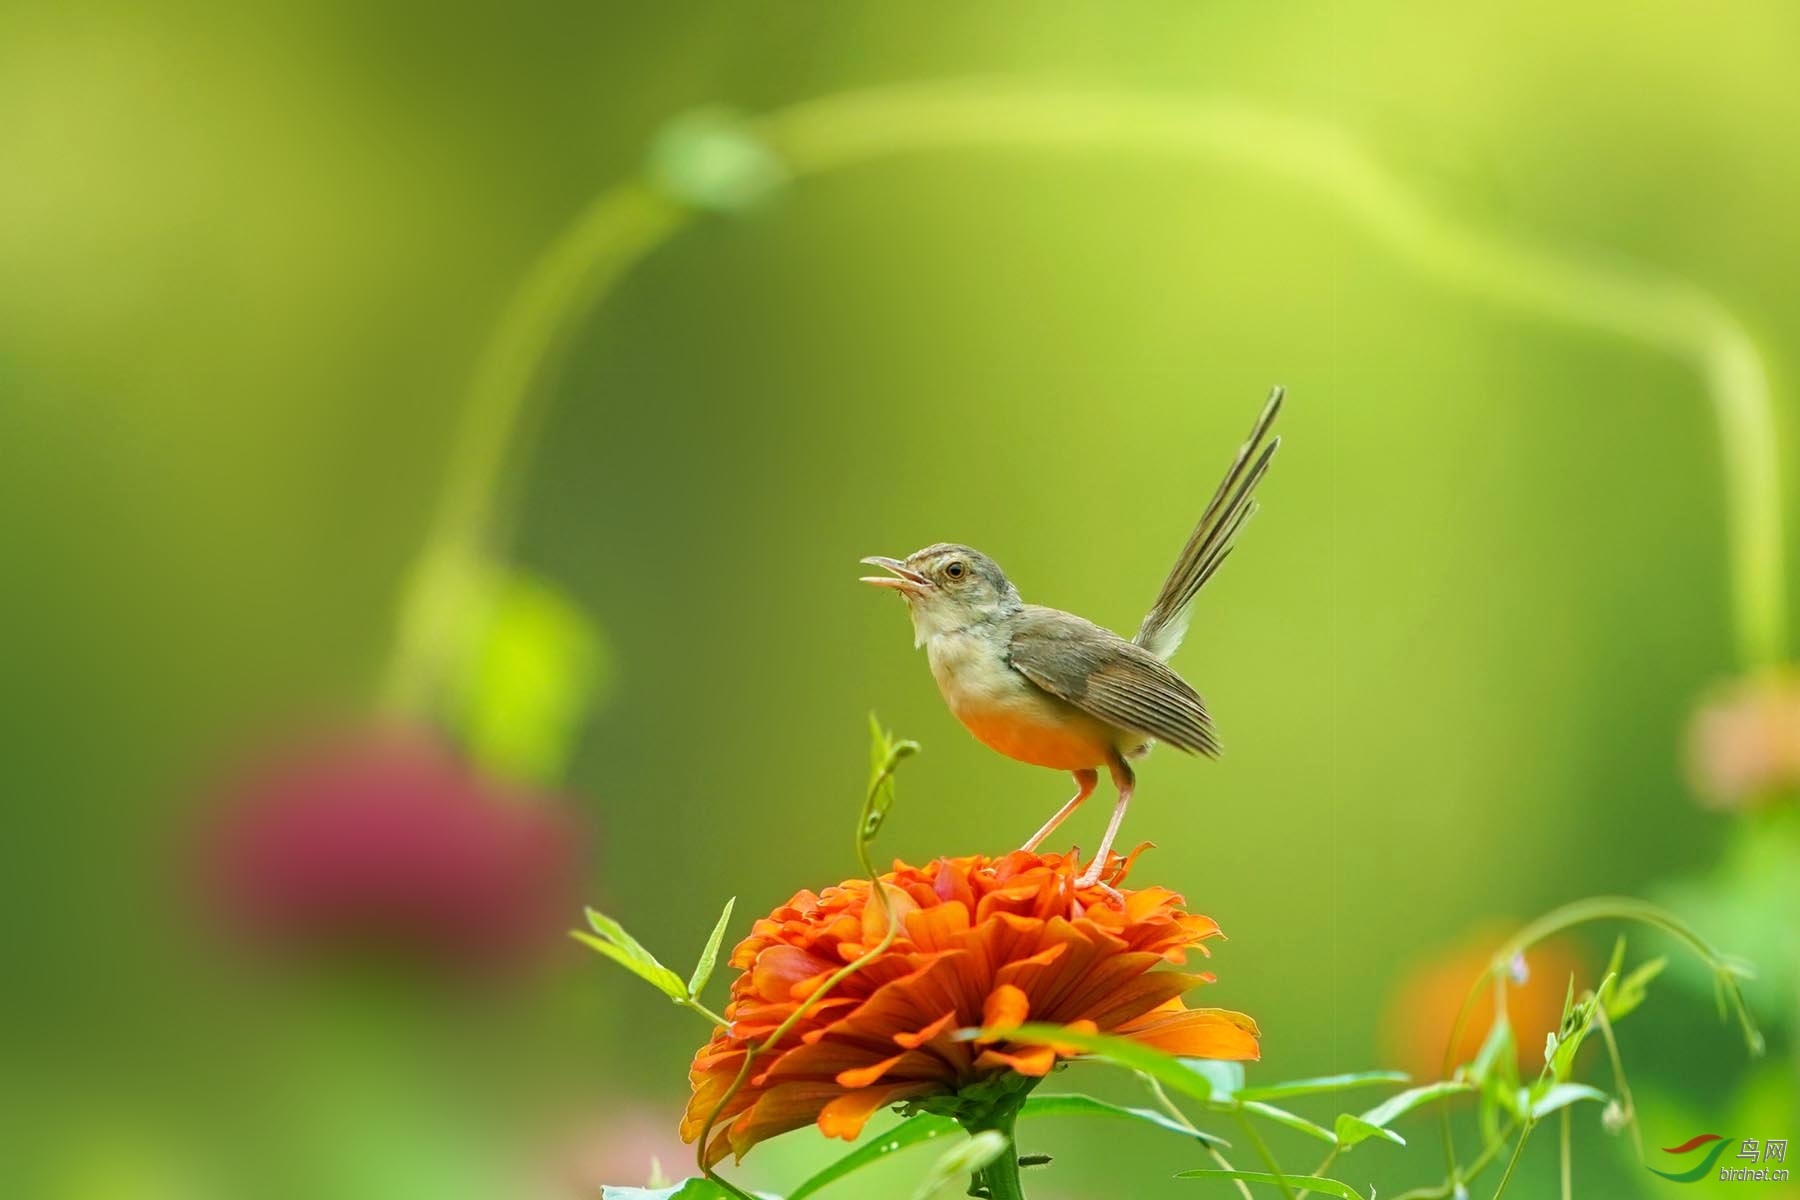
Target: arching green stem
(841,131)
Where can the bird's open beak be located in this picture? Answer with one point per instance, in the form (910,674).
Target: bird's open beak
(904,578)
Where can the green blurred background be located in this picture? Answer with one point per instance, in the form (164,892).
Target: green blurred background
(249,258)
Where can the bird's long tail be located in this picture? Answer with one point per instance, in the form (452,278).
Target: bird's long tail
(1211,541)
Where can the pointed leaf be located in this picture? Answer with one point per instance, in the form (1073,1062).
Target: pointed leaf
(1498,1056)
(710,955)
(1226,1077)
(1576,1025)
(1377,1119)
(911,1132)
(884,755)
(1631,990)
(1563,1095)
(1322,1083)
(1312,1183)
(1351,1130)
(1076,1105)
(624,949)
(1282,1116)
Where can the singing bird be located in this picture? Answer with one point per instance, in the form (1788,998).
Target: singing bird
(1050,688)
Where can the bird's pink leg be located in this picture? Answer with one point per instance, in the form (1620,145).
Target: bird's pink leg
(1125,781)
(1087,780)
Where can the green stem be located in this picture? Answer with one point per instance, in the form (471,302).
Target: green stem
(1568,1174)
(837,132)
(1480,1163)
(1513,1162)
(1324,1166)
(1180,1118)
(868,822)
(1619,1080)
(694,1005)
(1001,1177)
(1262,1149)
(1661,311)
(451,574)
(1600,908)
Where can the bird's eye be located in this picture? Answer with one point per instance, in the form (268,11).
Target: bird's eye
(955,570)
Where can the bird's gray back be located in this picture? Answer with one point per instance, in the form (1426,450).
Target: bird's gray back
(1109,677)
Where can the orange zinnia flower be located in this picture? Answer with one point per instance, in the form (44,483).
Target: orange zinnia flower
(981,943)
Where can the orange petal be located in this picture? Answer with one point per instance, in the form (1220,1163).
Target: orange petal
(1198,1033)
(936,928)
(858,1077)
(1035,1061)
(845,1116)
(1005,1008)
(779,968)
(912,1041)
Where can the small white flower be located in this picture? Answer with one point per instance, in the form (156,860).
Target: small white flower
(1520,970)
(1613,1116)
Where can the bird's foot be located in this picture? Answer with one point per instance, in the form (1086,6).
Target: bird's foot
(1090,878)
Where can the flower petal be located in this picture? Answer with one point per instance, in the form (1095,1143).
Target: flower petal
(1006,1008)
(1198,1033)
(845,1116)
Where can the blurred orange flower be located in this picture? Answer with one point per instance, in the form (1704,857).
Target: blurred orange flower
(981,942)
(1422,1007)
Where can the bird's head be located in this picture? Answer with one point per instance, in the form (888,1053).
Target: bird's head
(947,587)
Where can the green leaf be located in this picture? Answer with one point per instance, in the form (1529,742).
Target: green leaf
(1076,1105)
(535,667)
(625,950)
(1311,1183)
(1226,1077)
(1496,1071)
(1616,964)
(710,955)
(1632,989)
(1354,1129)
(956,1164)
(1498,1056)
(1176,1073)
(1563,1095)
(884,755)
(1322,1083)
(1282,1116)
(911,1132)
(1577,1021)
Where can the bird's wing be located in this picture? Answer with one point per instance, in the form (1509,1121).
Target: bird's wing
(1232,505)
(1108,677)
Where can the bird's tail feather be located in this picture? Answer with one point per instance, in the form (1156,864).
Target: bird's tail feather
(1208,546)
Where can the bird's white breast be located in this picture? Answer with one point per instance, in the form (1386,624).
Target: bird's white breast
(1006,711)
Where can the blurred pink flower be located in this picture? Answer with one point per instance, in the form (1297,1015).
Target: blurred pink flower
(387,841)
(618,1147)
(1744,742)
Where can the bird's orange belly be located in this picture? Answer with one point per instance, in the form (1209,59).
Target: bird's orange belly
(1066,743)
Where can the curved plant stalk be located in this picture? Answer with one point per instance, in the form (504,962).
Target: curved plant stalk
(447,582)
(1174,1110)
(841,131)
(1727,972)
(874,809)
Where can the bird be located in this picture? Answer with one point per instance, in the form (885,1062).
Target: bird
(1052,689)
